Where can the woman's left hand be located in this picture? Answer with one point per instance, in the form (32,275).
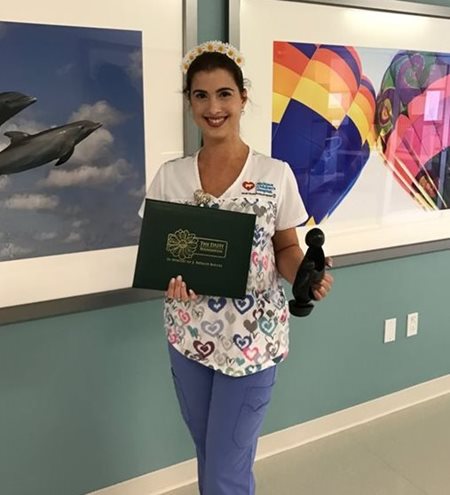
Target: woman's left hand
(321,289)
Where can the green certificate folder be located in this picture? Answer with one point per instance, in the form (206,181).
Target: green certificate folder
(209,247)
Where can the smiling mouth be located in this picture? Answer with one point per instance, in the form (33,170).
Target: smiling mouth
(215,121)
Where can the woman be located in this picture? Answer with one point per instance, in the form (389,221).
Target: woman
(224,351)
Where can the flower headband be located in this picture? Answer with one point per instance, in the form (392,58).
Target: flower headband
(212,46)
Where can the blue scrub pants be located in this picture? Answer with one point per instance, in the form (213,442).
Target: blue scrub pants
(224,416)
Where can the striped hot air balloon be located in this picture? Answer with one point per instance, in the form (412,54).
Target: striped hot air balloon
(323,120)
(413,120)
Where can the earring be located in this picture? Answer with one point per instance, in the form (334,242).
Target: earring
(243,111)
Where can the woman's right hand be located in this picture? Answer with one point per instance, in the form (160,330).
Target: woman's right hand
(177,290)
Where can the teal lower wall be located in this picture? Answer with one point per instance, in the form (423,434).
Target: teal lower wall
(338,358)
(86,400)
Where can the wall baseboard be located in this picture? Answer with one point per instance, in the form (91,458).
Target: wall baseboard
(173,477)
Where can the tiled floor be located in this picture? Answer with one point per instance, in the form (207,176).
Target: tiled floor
(404,453)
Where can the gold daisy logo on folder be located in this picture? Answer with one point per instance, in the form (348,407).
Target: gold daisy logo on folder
(184,245)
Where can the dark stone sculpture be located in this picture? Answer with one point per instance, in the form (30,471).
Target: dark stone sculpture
(310,272)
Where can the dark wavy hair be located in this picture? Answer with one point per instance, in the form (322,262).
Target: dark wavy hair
(209,61)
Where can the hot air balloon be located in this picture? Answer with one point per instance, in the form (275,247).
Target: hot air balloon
(323,120)
(413,121)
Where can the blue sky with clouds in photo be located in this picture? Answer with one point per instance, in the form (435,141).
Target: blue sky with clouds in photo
(91,201)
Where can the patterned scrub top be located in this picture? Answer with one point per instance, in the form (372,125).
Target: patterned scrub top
(237,336)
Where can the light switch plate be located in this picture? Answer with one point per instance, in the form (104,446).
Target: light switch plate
(389,330)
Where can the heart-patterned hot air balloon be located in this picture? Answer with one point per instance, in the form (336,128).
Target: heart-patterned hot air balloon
(413,122)
(323,120)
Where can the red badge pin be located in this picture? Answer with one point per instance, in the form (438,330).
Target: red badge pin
(248,185)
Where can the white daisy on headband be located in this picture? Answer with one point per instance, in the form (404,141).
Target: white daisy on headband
(212,46)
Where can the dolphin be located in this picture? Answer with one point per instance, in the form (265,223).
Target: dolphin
(12,102)
(28,151)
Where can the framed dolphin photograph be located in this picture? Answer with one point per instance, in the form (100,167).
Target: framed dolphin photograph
(90,105)
(355,97)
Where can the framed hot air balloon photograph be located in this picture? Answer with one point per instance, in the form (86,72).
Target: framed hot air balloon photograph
(357,102)
(81,99)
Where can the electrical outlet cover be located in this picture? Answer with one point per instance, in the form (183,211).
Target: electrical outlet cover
(412,324)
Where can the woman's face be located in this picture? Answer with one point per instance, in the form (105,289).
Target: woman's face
(216,104)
